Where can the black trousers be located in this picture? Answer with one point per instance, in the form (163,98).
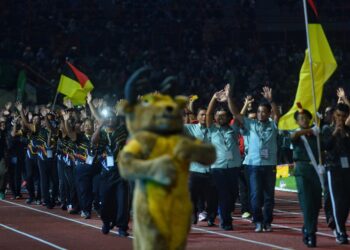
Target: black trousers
(70,180)
(202,188)
(49,180)
(3,173)
(62,181)
(32,177)
(309,194)
(15,174)
(339,190)
(327,205)
(226,182)
(243,185)
(84,175)
(114,195)
(96,191)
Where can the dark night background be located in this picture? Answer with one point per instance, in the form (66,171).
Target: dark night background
(204,43)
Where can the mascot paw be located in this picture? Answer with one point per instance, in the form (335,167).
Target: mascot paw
(183,150)
(165,172)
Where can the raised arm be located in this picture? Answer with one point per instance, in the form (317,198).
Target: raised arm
(62,126)
(188,110)
(30,126)
(211,108)
(14,127)
(342,97)
(92,108)
(267,94)
(247,101)
(231,104)
(95,139)
(8,106)
(72,134)
(47,122)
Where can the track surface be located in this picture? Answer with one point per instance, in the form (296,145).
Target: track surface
(35,227)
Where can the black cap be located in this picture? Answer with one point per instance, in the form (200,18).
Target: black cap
(303,111)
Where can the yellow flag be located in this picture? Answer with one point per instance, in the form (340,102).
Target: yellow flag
(75,90)
(68,86)
(79,97)
(324,65)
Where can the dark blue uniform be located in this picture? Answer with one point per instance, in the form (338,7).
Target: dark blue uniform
(114,190)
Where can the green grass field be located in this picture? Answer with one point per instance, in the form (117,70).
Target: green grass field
(288,181)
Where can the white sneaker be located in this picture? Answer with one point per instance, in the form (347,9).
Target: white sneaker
(69,208)
(246,215)
(267,228)
(258,227)
(202,216)
(85,215)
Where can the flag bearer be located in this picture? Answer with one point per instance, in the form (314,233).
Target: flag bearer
(307,180)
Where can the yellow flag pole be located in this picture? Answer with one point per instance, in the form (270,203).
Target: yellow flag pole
(312,82)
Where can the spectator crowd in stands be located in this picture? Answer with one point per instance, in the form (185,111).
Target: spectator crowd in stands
(204,44)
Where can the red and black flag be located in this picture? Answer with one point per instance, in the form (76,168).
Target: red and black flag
(75,85)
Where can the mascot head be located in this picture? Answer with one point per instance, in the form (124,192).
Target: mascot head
(154,112)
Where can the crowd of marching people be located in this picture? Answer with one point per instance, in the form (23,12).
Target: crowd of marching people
(248,143)
(68,157)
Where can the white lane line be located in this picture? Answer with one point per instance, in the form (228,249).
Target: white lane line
(92,226)
(295,213)
(33,237)
(240,238)
(291,201)
(287,227)
(301,214)
(289,212)
(286,190)
(58,216)
(89,225)
(296,201)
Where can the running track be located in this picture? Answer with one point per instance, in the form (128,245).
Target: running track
(35,227)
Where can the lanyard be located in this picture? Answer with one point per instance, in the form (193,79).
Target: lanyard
(89,142)
(88,137)
(263,135)
(109,139)
(109,150)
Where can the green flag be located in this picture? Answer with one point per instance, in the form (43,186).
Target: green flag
(21,81)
